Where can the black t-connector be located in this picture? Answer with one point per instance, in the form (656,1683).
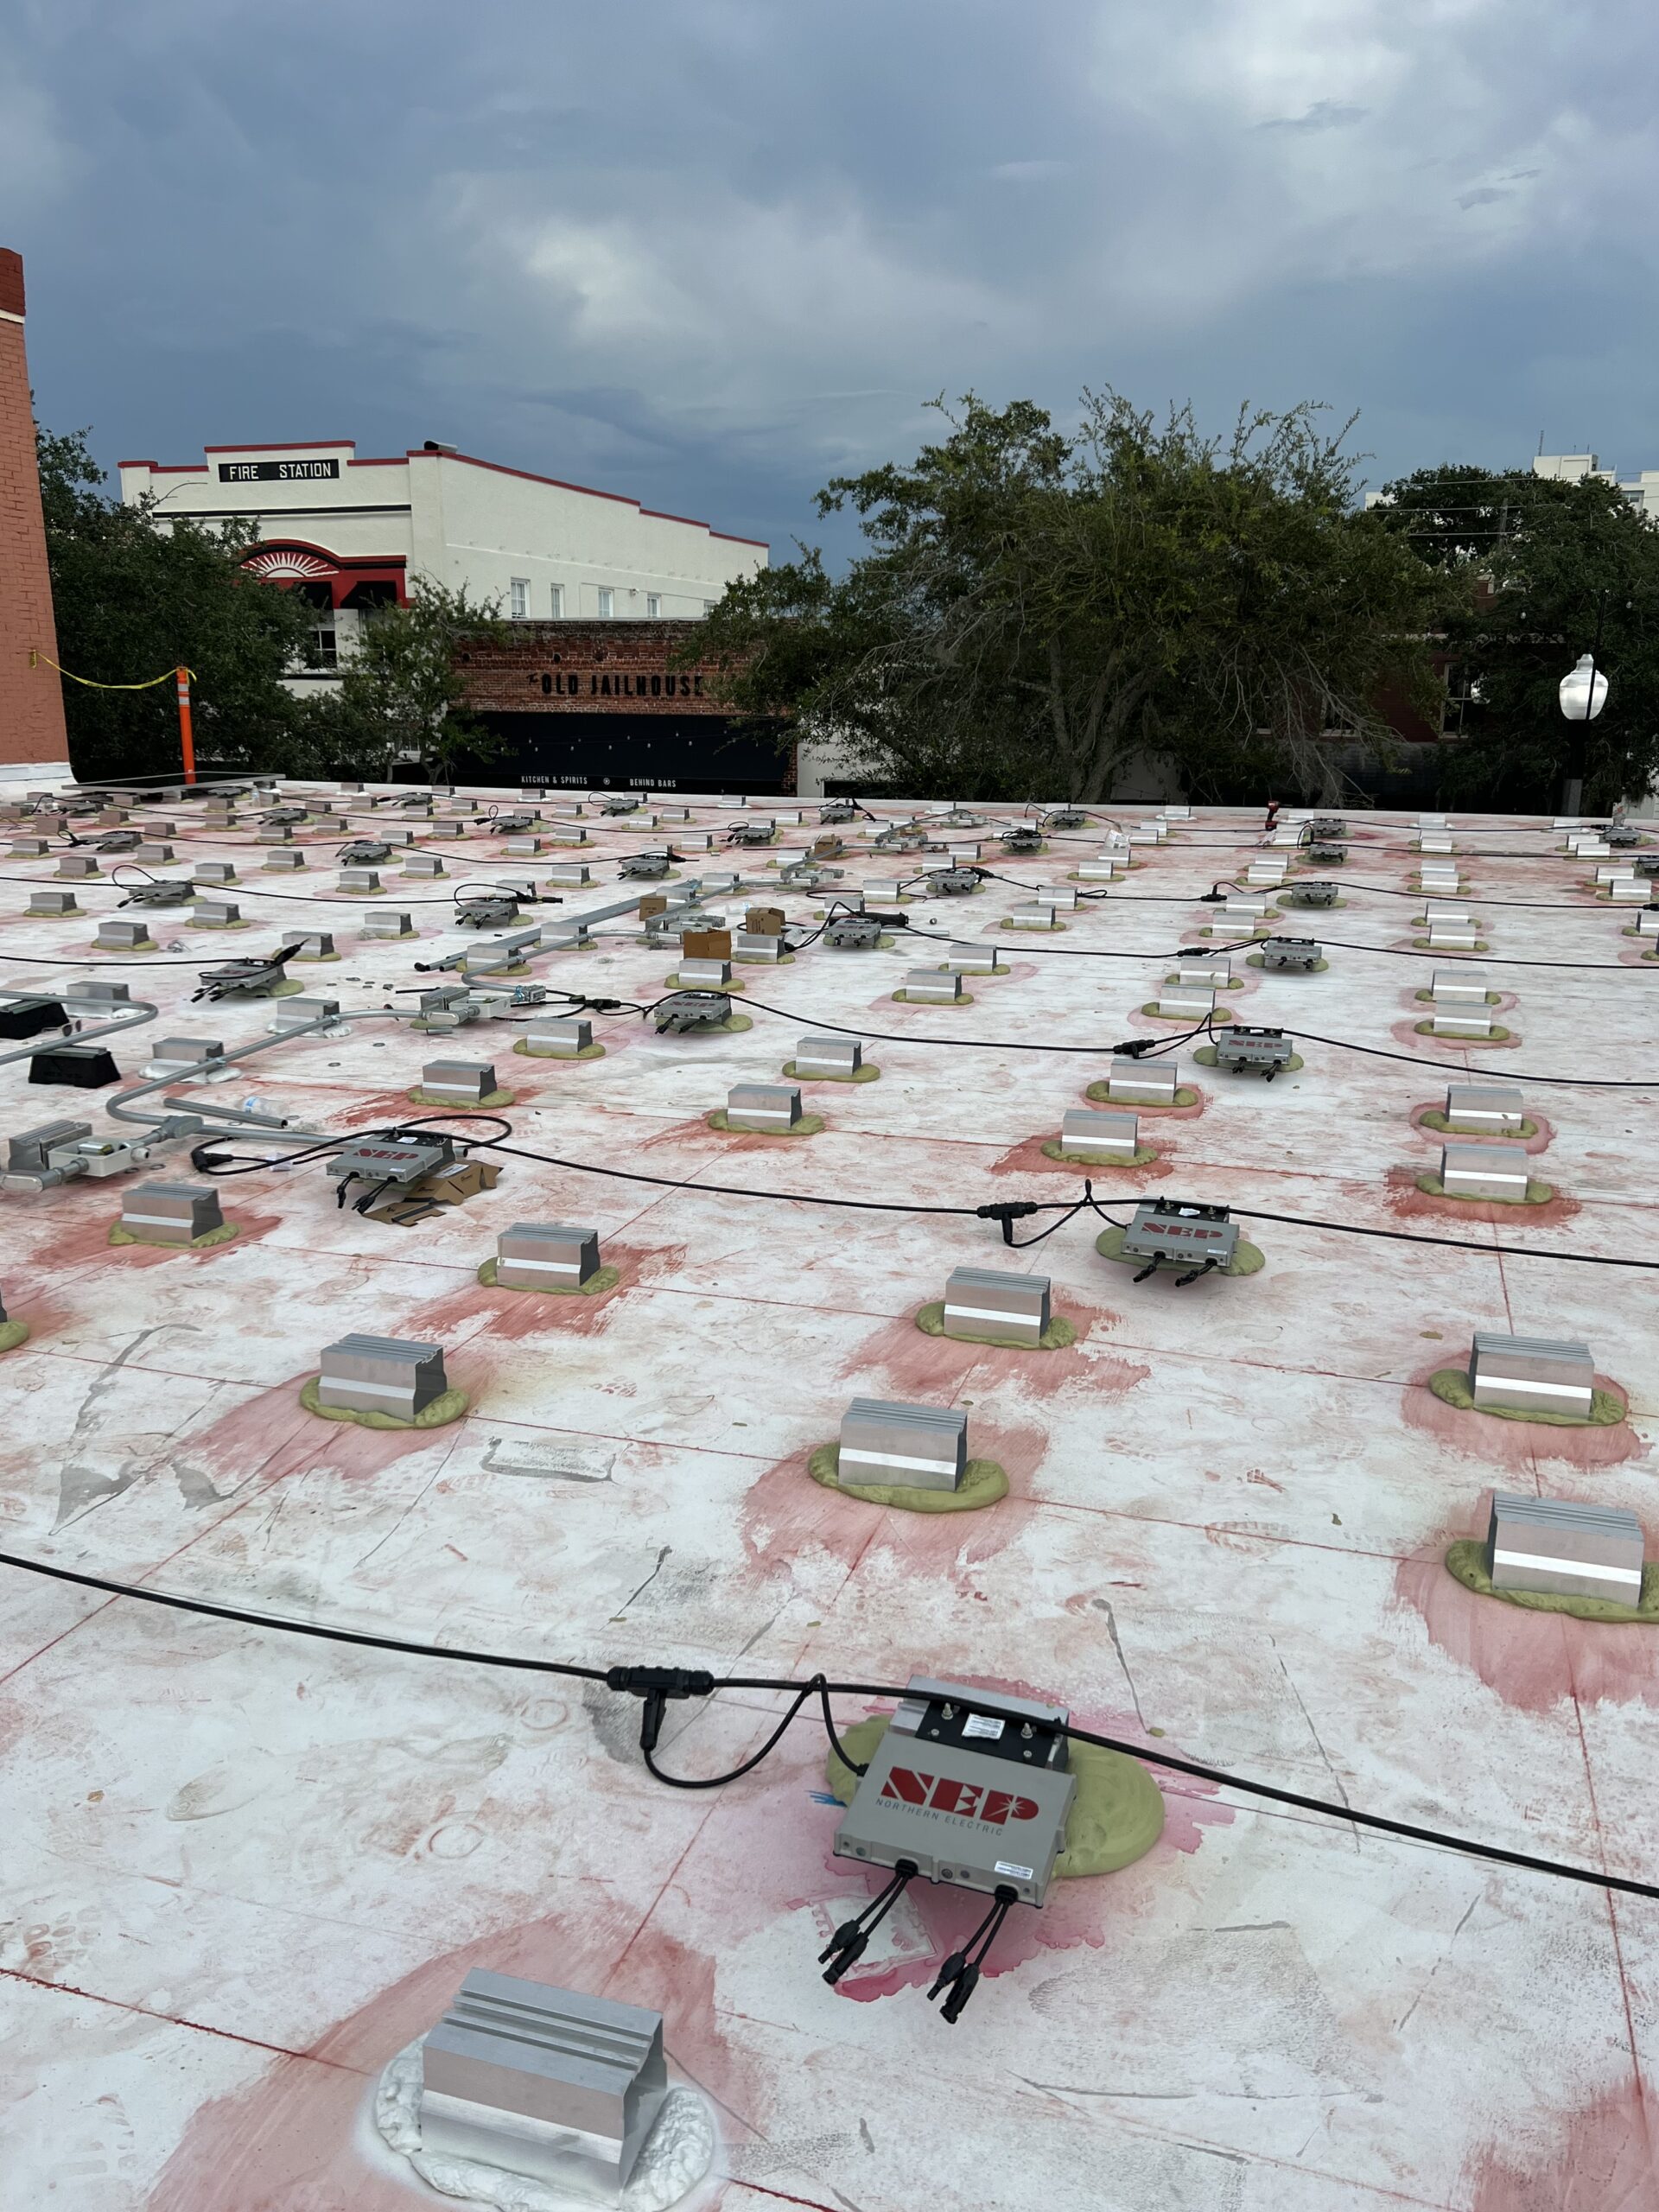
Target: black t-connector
(656,1685)
(1007,1213)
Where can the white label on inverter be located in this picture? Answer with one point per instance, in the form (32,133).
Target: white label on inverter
(983,1723)
(1015,1873)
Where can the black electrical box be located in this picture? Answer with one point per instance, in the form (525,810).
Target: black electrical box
(28,1017)
(83,1067)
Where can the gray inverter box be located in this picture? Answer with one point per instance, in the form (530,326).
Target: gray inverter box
(977,1798)
(1174,1229)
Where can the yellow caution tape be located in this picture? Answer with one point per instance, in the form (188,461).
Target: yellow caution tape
(91,682)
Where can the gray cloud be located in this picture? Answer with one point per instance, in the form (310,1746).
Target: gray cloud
(1034,172)
(1323,114)
(711,251)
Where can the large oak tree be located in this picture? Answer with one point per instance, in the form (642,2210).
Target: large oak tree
(1536,568)
(1034,610)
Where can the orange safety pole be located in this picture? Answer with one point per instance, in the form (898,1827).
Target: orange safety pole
(186,736)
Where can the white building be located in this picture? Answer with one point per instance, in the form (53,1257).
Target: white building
(1642,490)
(352,533)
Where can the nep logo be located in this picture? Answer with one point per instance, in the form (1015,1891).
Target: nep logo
(969,1801)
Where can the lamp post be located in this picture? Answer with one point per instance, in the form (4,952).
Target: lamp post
(1583,695)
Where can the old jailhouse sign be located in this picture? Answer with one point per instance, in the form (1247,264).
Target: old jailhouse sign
(620,684)
(584,667)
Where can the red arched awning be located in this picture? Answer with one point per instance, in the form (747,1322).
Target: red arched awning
(286,561)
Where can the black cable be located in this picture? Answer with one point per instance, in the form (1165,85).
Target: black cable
(618,1678)
(1143,1046)
(1023,1243)
(1511,1075)
(322,1632)
(69,960)
(1297,1221)
(206,1161)
(719,1781)
(737,1191)
(222,1164)
(1377,1821)
(1455,1244)
(1474,899)
(1337,944)
(855,1766)
(851,1940)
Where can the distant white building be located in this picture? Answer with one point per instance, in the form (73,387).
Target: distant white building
(1642,490)
(350,533)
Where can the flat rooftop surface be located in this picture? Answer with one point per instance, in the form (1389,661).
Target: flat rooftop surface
(244,1868)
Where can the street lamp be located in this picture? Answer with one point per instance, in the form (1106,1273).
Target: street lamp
(1584,691)
(1583,695)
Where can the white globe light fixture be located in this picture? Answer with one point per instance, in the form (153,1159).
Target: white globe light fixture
(1584,691)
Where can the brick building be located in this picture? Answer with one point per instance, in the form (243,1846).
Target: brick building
(576,703)
(31,693)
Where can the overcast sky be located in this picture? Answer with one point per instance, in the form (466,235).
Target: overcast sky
(713,251)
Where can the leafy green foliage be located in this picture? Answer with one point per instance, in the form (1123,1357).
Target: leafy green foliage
(402,691)
(1535,566)
(133,599)
(1036,611)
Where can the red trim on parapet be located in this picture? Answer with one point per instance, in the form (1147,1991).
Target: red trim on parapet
(529,475)
(587,491)
(471,461)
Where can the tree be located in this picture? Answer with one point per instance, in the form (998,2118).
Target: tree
(133,599)
(1035,610)
(1536,568)
(402,691)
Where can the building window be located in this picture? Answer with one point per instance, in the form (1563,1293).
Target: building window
(707,606)
(555,601)
(653,605)
(607,601)
(519,598)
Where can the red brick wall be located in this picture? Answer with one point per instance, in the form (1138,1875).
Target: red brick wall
(586,668)
(31,699)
